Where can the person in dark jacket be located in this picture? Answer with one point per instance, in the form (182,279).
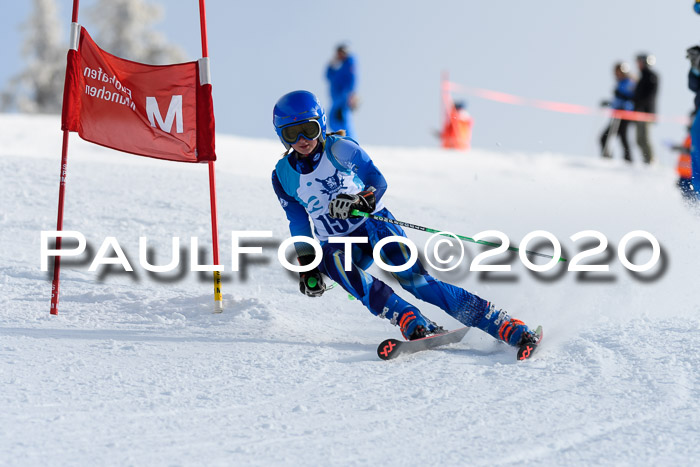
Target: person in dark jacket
(694,85)
(623,101)
(645,101)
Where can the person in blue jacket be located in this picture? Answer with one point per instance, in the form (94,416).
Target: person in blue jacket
(694,85)
(623,100)
(342,77)
(319,181)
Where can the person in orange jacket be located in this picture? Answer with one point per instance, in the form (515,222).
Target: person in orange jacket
(457,132)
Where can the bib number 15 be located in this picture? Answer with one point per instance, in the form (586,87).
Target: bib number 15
(337,226)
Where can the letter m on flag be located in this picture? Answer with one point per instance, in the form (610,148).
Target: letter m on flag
(164,112)
(174,113)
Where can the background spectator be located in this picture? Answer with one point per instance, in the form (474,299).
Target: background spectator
(645,101)
(694,85)
(623,100)
(457,131)
(341,74)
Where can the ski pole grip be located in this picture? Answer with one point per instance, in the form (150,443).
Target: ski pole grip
(356,212)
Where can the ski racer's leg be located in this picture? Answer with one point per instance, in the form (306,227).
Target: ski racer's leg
(378,297)
(465,307)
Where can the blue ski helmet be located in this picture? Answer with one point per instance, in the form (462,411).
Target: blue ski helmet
(297,107)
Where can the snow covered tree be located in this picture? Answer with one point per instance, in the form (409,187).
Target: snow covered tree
(39,88)
(123,28)
(125,31)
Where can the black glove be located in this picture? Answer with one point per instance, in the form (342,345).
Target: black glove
(343,204)
(310,282)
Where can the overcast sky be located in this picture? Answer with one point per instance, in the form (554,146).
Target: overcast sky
(556,50)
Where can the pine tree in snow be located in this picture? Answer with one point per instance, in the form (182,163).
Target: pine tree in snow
(125,31)
(39,88)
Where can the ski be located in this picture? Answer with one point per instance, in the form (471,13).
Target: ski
(526,350)
(392,348)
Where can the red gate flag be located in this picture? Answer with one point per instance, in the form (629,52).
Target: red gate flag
(121,104)
(165,112)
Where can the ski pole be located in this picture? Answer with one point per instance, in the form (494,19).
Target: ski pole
(355,212)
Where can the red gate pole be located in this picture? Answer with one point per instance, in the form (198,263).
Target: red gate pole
(218,301)
(61,198)
(59,226)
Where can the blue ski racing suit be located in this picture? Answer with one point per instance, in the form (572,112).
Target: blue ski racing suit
(305,186)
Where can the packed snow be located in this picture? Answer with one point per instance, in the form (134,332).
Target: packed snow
(137,370)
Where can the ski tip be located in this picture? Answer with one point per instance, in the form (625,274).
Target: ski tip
(538,331)
(527,350)
(388,349)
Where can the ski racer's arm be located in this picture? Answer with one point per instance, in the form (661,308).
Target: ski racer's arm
(310,282)
(352,156)
(296,214)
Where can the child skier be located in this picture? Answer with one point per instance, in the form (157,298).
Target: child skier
(324,177)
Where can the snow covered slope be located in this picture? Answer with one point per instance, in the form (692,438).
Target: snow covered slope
(137,370)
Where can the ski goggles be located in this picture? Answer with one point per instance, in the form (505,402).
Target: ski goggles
(310,129)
